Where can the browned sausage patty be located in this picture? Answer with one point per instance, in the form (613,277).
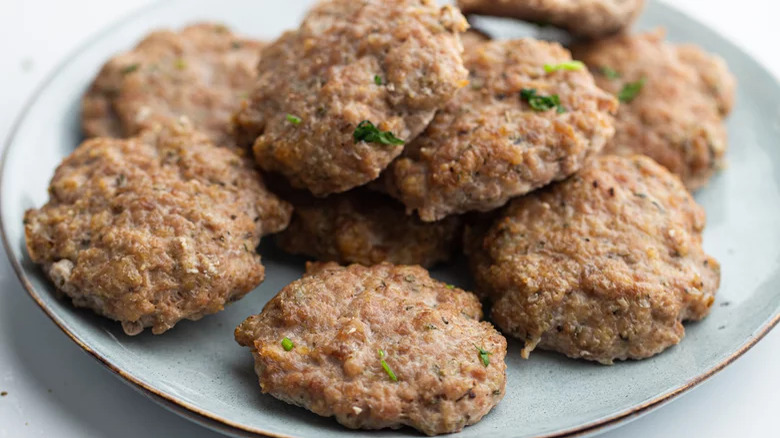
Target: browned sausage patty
(586,18)
(493,141)
(385,346)
(603,266)
(201,72)
(676,117)
(154,229)
(392,63)
(366,227)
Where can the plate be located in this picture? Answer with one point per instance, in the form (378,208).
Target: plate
(197,369)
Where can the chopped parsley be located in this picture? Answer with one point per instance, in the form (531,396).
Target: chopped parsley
(541,103)
(631,90)
(367,132)
(378,80)
(568,66)
(295,120)
(181,64)
(236,45)
(484,356)
(450,286)
(610,73)
(386,367)
(130,68)
(287,344)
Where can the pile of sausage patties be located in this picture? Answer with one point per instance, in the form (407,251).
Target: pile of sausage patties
(381,138)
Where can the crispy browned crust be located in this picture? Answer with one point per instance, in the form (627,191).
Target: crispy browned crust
(361,226)
(488,145)
(154,229)
(202,72)
(324,74)
(584,18)
(677,118)
(603,266)
(340,317)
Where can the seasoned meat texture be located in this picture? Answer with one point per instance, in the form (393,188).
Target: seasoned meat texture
(490,143)
(201,72)
(677,116)
(365,227)
(385,346)
(603,266)
(584,18)
(392,63)
(154,229)
(473,37)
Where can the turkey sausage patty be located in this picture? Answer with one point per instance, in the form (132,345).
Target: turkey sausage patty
(377,347)
(674,99)
(337,98)
(603,266)
(366,227)
(528,117)
(154,229)
(585,18)
(202,73)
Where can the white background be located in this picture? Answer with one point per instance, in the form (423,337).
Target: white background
(56,390)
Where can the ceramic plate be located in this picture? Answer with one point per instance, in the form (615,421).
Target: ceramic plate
(198,370)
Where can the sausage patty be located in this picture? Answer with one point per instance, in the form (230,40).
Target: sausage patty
(377,347)
(202,73)
(366,227)
(585,18)
(674,99)
(154,229)
(524,121)
(603,266)
(336,98)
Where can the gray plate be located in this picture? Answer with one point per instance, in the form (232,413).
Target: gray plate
(198,371)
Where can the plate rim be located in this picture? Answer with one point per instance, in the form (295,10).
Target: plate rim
(223,425)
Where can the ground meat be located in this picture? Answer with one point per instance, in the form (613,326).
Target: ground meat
(390,62)
(202,72)
(603,266)
(444,369)
(489,145)
(677,116)
(154,229)
(585,18)
(366,227)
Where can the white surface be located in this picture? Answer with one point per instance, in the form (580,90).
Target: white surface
(55,390)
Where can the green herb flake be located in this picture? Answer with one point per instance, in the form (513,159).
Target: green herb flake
(610,73)
(450,286)
(236,45)
(631,90)
(180,64)
(386,367)
(568,66)
(541,103)
(130,68)
(287,344)
(367,132)
(378,80)
(295,120)
(484,356)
